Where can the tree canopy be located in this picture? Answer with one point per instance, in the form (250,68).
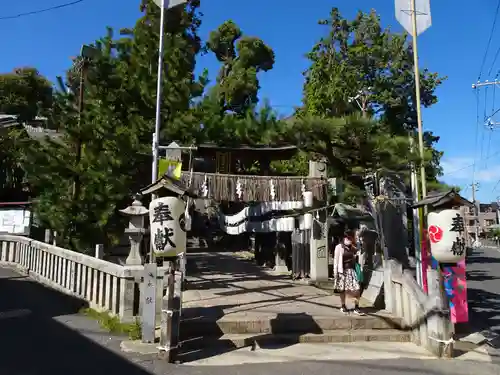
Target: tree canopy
(25,93)
(242,58)
(360,69)
(358,107)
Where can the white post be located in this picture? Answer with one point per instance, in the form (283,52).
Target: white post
(416,220)
(99,251)
(156,135)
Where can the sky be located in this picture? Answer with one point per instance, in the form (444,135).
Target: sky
(454,46)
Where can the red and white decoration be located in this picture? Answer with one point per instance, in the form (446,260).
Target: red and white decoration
(446,235)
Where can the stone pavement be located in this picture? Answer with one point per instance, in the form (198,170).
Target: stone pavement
(483,287)
(483,293)
(346,352)
(43,334)
(223,285)
(229,300)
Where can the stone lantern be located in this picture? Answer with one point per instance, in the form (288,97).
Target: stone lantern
(135,231)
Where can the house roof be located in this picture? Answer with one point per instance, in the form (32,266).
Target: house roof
(33,129)
(441,199)
(166,182)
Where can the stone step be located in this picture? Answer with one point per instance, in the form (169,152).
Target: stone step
(190,349)
(212,345)
(285,324)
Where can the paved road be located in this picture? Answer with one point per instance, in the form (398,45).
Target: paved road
(483,282)
(41,333)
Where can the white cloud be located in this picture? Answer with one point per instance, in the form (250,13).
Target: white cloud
(461,168)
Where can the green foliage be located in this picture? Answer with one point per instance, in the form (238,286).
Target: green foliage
(356,59)
(253,127)
(358,67)
(242,58)
(112,324)
(25,93)
(116,125)
(351,144)
(13,186)
(298,165)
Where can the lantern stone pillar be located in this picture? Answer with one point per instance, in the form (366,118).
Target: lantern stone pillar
(135,231)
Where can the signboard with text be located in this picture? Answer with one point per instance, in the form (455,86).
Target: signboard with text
(446,231)
(167,225)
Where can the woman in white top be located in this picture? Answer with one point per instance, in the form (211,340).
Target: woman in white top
(345,279)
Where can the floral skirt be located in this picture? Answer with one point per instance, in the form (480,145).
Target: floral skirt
(346,282)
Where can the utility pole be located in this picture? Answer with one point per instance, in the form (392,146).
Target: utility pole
(485,83)
(474,187)
(490,123)
(416,224)
(417,97)
(87,54)
(415,17)
(78,157)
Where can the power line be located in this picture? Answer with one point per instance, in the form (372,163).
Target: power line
(19,15)
(494,61)
(489,40)
(473,164)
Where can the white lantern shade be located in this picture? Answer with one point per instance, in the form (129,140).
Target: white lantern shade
(167,226)
(308,221)
(308,198)
(446,236)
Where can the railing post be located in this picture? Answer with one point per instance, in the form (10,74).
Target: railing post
(3,251)
(126,300)
(170,315)
(148,301)
(48,235)
(440,342)
(12,252)
(388,289)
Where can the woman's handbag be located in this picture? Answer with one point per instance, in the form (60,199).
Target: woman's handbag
(359,273)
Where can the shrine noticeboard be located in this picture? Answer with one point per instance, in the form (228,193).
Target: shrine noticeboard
(167,226)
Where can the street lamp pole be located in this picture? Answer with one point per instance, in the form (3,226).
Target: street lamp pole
(155,147)
(156,134)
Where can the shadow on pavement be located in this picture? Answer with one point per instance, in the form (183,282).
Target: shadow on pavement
(484,309)
(480,258)
(480,275)
(34,343)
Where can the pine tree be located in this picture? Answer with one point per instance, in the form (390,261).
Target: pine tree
(25,94)
(359,70)
(116,128)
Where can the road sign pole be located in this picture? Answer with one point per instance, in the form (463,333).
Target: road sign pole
(417,98)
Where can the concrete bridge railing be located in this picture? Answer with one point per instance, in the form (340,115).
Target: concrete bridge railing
(105,286)
(425,314)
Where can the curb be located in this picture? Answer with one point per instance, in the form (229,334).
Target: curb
(237,341)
